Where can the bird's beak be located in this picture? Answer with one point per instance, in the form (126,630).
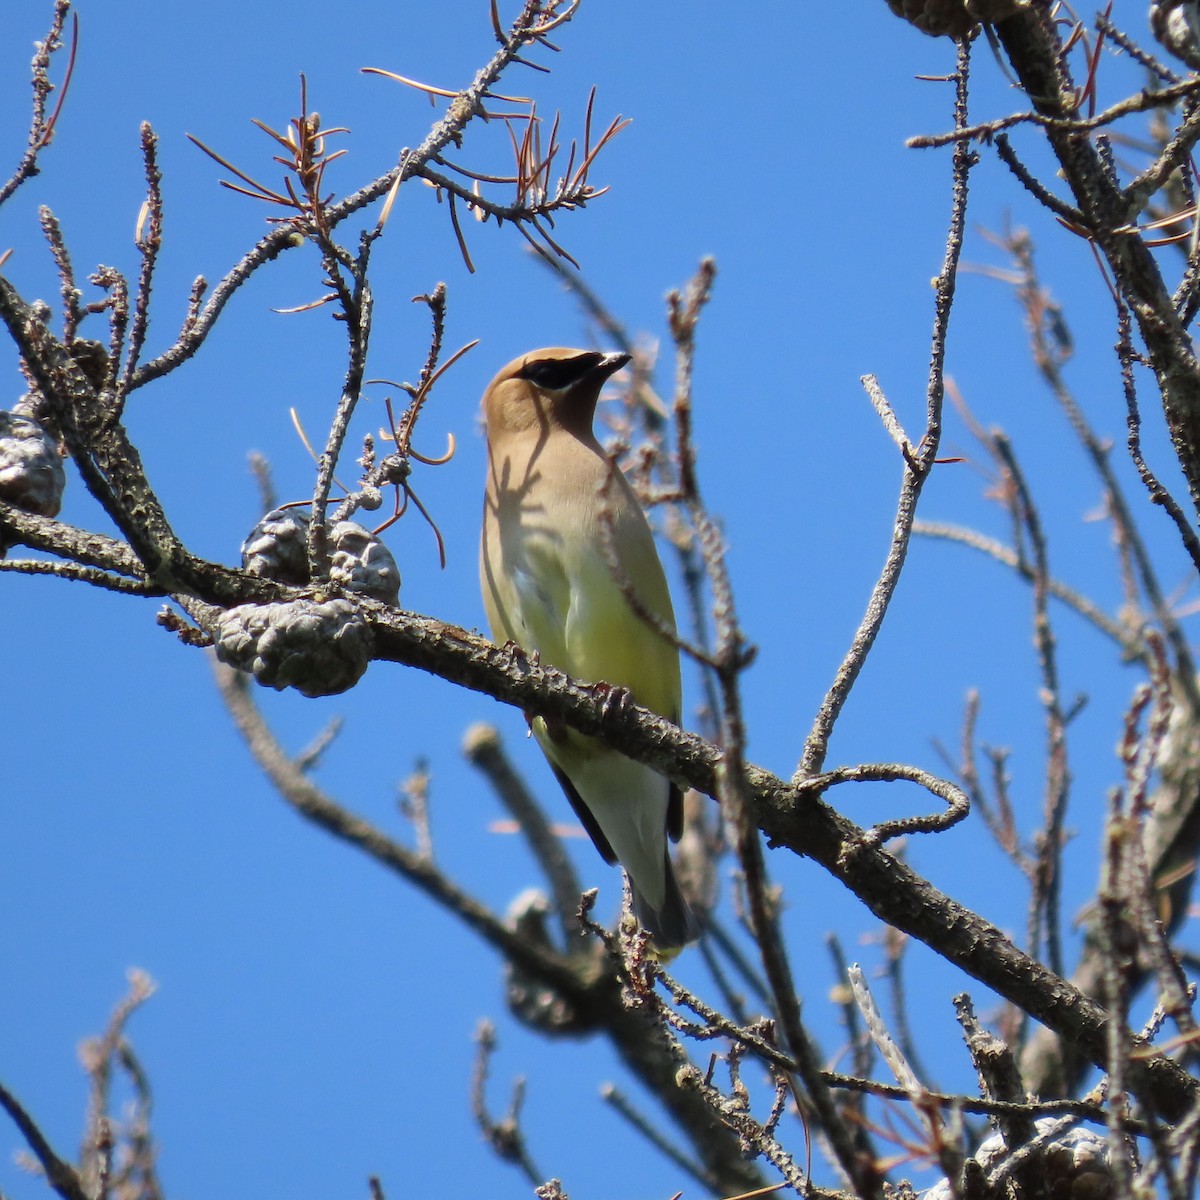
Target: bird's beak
(610,364)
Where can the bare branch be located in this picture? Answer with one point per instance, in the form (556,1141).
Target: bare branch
(41,127)
(916,467)
(61,1176)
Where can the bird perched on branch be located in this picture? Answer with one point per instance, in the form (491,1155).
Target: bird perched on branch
(569,572)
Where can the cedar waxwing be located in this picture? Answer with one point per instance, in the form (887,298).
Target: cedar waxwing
(549,587)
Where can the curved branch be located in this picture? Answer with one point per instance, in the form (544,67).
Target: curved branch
(958,806)
(791,816)
(585,981)
(61,1176)
(298,790)
(1130,645)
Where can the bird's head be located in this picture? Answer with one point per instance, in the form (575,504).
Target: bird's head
(545,388)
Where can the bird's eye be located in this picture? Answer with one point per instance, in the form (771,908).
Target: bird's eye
(555,374)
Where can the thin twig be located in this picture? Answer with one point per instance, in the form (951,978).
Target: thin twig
(620,1103)
(505,1135)
(61,1176)
(41,127)
(149,242)
(1141,102)
(485,751)
(1124,638)
(1048,880)
(916,467)
(528,28)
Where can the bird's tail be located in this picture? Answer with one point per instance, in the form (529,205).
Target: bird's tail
(672,924)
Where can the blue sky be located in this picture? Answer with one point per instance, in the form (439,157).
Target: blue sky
(314,1018)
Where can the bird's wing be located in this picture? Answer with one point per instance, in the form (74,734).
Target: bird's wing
(525,588)
(540,598)
(605,638)
(586,817)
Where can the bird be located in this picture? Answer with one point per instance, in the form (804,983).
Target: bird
(556,512)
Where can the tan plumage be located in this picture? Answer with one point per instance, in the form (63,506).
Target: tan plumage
(548,587)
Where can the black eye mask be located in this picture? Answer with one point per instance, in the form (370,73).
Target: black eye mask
(555,374)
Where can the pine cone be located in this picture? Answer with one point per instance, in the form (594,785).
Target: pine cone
(954,18)
(318,649)
(31,470)
(276,548)
(1077,1164)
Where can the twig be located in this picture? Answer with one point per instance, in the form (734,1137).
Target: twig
(862,1049)
(1048,878)
(1090,612)
(82,574)
(1031,46)
(484,750)
(729,659)
(916,468)
(1040,313)
(301,794)
(998,1073)
(949,1155)
(1141,754)
(750,1131)
(1138,192)
(1008,156)
(1122,39)
(895,944)
(1158,493)
(69,289)
(1142,102)
(414,804)
(149,242)
(957,803)
(1116,937)
(883,1041)
(81,546)
(41,128)
(888,416)
(61,1176)
(620,1103)
(504,1136)
(357,307)
(98,1056)
(529,27)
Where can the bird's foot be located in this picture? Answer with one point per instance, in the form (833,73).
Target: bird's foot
(614,700)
